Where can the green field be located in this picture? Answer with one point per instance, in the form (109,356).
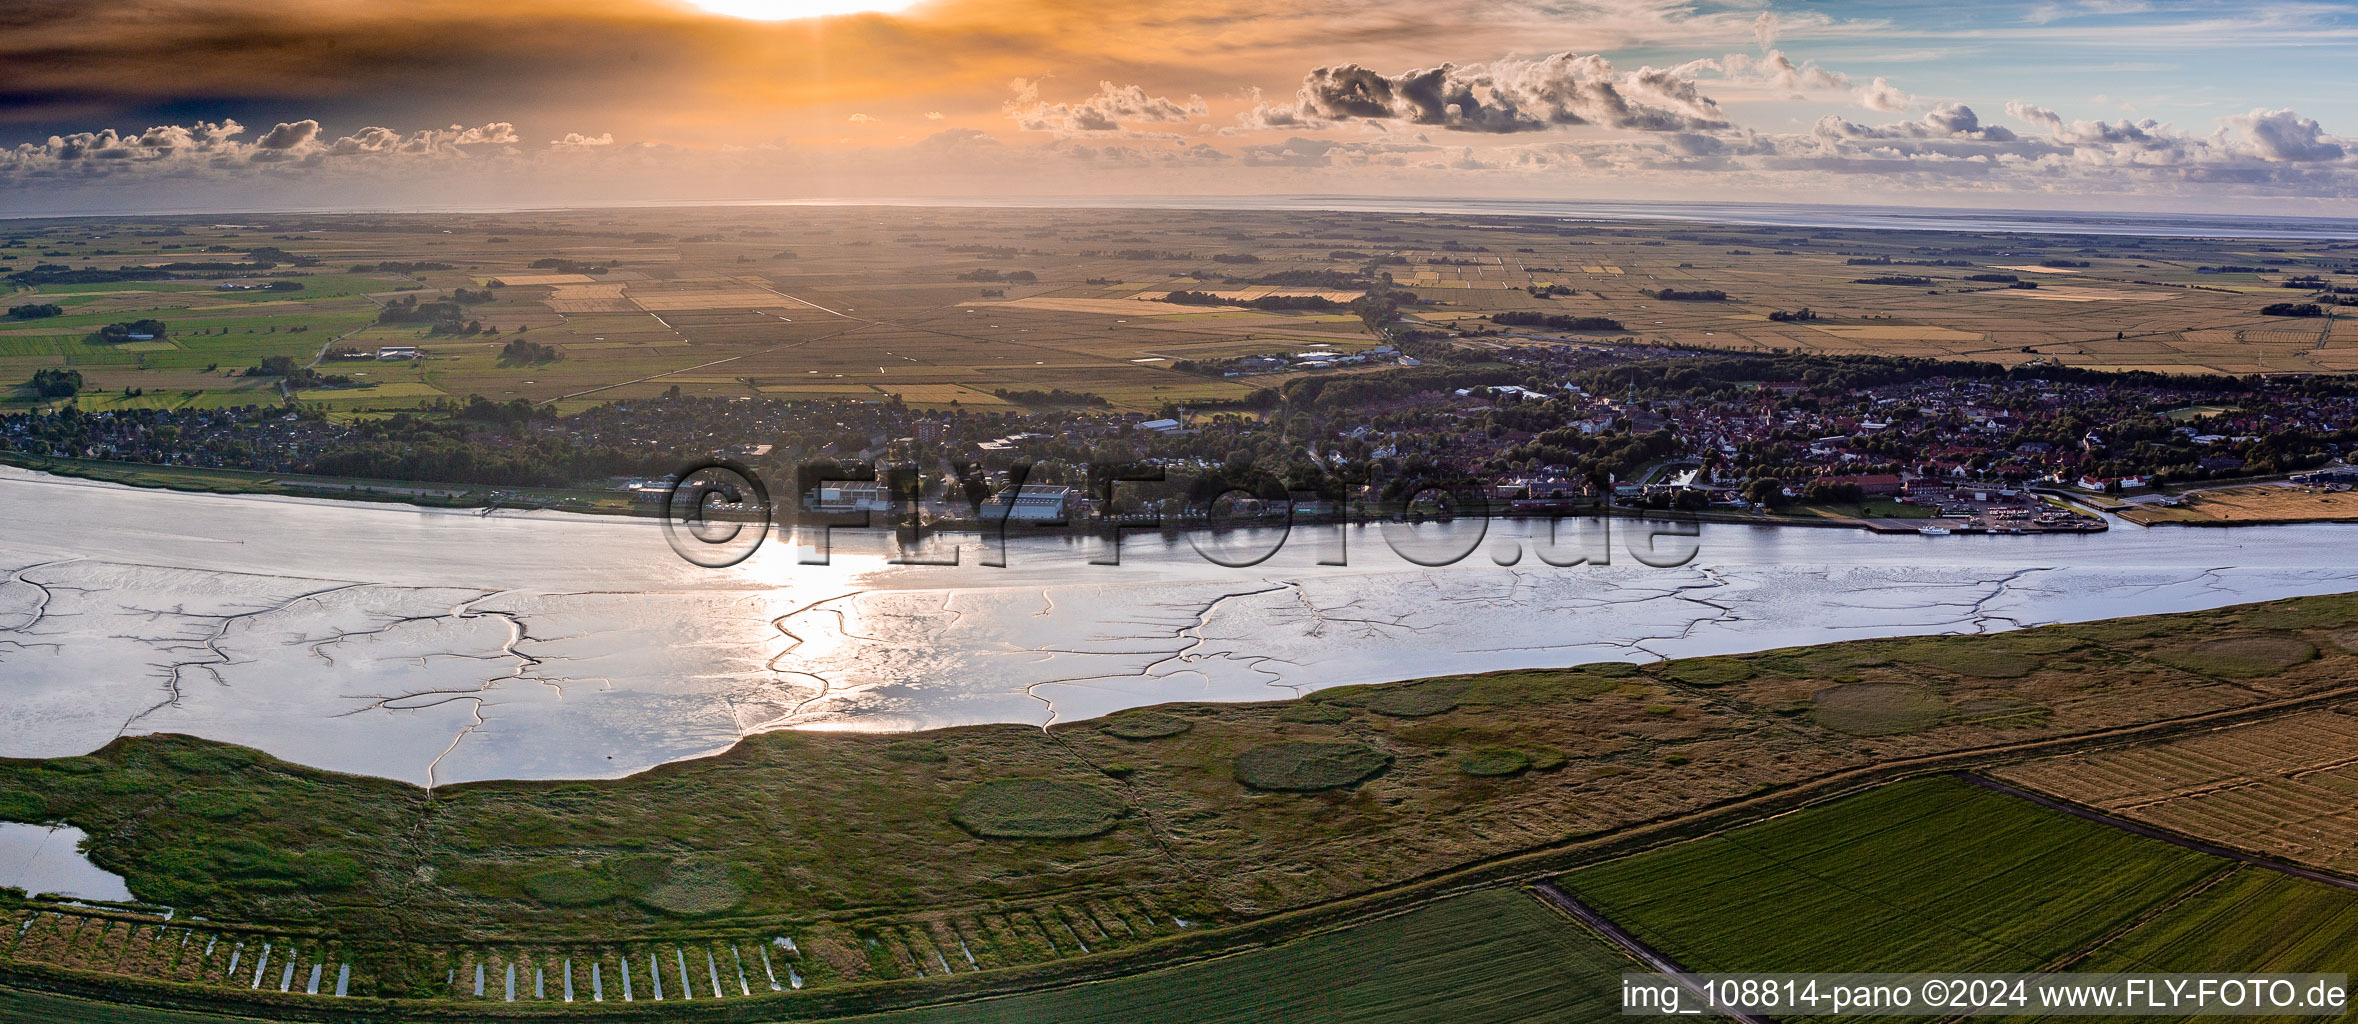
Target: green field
(1494,956)
(1865,510)
(23,1007)
(2256,920)
(1491,956)
(1938,875)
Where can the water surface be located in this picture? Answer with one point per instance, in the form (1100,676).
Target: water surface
(438,646)
(48,859)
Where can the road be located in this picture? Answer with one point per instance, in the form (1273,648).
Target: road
(1631,944)
(639,380)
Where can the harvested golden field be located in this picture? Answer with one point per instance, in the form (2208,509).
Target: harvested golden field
(2287,788)
(2258,503)
(2069,293)
(1104,307)
(1868,332)
(588,298)
(526,280)
(705,295)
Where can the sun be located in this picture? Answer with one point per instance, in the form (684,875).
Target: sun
(788,10)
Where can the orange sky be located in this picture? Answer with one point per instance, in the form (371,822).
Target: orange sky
(1563,98)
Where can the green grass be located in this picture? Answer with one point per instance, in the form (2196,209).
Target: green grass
(2256,920)
(1708,671)
(1037,809)
(1494,761)
(1309,766)
(1966,658)
(1865,510)
(2297,615)
(1145,726)
(18,1006)
(1416,701)
(2245,657)
(1929,875)
(1877,709)
(1489,957)
(916,752)
(696,889)
(1316,714)
(570,887)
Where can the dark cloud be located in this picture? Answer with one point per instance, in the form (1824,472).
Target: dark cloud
(1503,97)
(1946,121)
(215,147)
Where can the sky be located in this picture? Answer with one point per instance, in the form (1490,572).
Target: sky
(2128,105)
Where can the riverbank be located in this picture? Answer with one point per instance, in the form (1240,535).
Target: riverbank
(586,501)
(1176,832)
(207,480)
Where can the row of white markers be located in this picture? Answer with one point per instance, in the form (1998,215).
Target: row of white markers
(712,976)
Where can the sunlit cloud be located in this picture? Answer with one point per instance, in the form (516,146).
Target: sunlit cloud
(743,98)
(788,10)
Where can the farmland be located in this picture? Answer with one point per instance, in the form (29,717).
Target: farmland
(1937,875)
(940,307)
(2282,788)
(1924,875)
(1488,957)
(2254,919)
(1491,956)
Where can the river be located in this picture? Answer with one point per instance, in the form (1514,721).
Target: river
(440,646)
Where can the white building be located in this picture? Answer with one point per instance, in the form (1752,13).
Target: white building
(852,496)
(1036,503)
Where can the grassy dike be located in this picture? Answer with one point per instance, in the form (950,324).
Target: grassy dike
(1252,823)
(427,494)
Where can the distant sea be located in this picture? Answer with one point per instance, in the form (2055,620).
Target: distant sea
(1792,215)
(1797,215)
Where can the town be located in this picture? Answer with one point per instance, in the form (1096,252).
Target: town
(1545,426)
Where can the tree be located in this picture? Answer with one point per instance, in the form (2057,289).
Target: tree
(56,382)
(120,332)
(519,350)
(2292,309)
